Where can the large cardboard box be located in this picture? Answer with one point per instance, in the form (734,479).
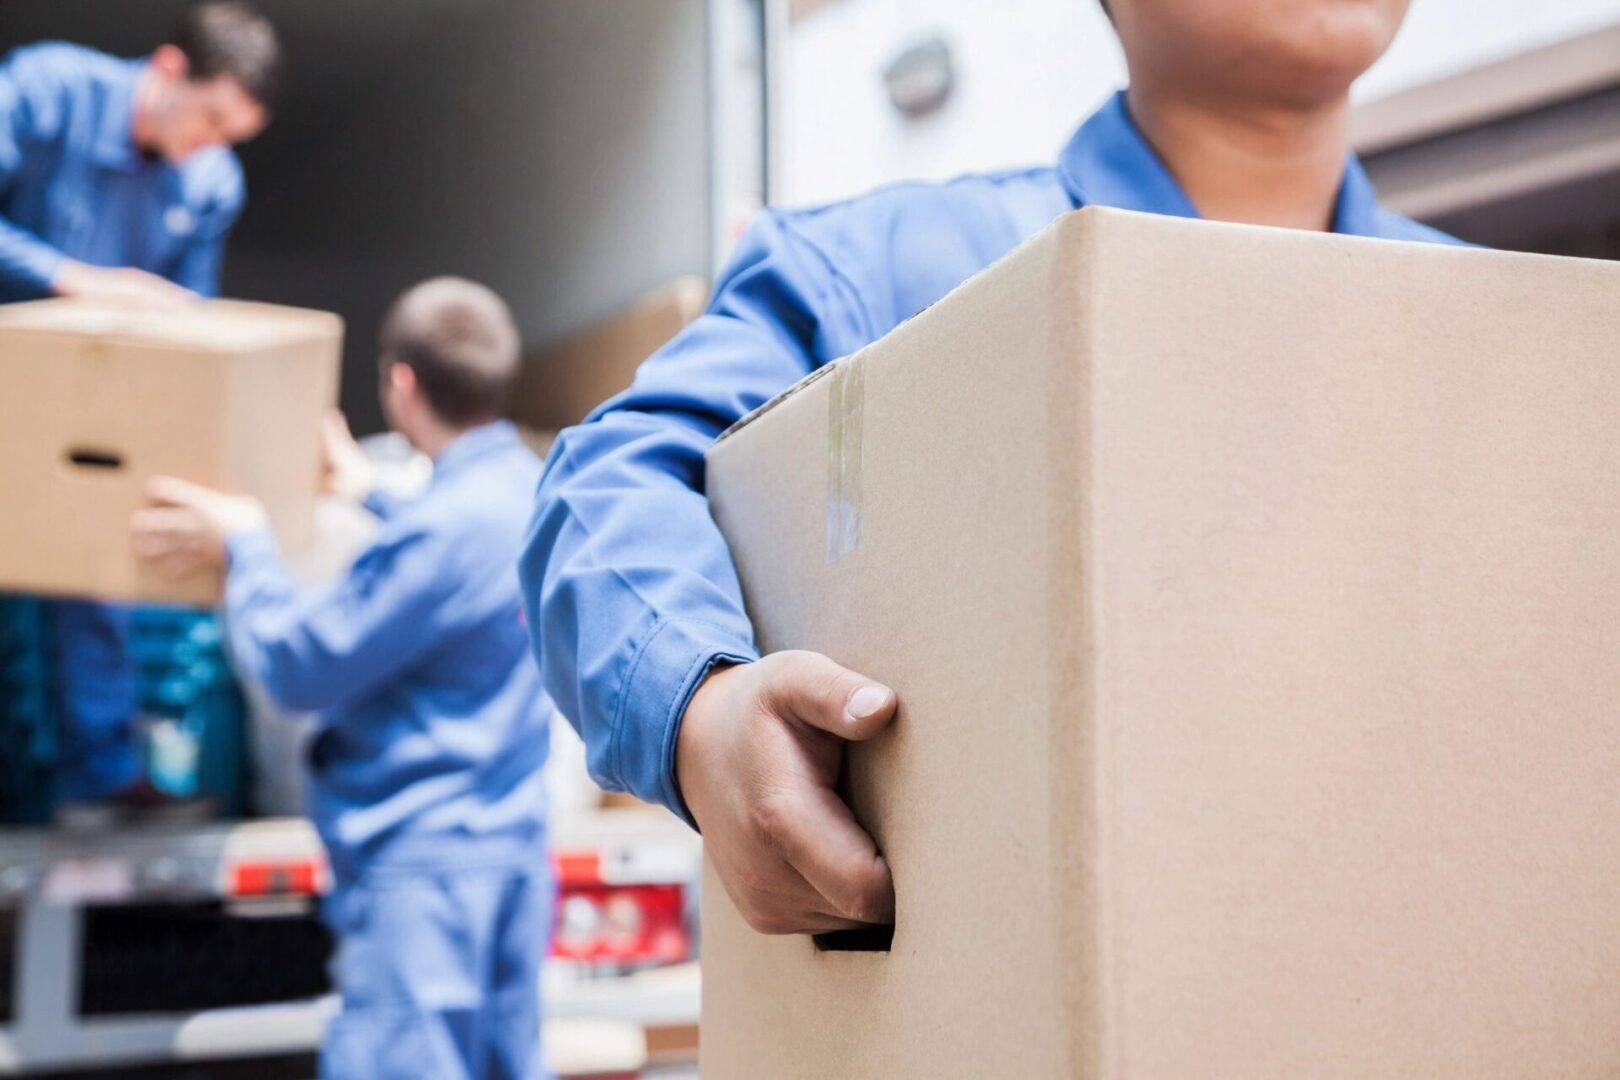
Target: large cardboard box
(95,400)
(563,382)
(1253,599)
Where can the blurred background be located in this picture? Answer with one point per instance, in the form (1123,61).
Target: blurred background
(575,155)
(593,161)
(1027,73)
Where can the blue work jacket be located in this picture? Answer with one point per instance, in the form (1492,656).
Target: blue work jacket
(74,185)
(432,729)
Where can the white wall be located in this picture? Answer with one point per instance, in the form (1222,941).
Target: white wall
(1029,71)
(1442,37)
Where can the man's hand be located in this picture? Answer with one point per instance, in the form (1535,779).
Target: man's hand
(123,286)
(345,470)
(759,751)
(185,530)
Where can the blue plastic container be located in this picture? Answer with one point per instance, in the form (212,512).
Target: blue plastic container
(27,725)
(188,696)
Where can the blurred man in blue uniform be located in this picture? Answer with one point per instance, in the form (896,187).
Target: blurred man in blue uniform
(1236,110)
(117,183)
(426,766)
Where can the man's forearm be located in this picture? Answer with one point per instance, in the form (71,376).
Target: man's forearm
(258,587)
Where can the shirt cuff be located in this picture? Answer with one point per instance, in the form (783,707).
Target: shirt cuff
(43,263)
(248,547)
(662,678)
(381,502)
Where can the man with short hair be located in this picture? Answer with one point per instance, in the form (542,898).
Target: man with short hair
(117,183)
(432,733)
(116,176)
(1237,110)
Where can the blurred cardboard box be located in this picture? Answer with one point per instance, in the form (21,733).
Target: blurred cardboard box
(1251,600)
(95,400)
(560,384)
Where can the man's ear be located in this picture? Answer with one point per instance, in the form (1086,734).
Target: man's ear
(402,379)
(171,62)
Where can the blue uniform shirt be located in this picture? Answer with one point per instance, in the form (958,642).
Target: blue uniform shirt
(432,729)
(74,185)
(631,591)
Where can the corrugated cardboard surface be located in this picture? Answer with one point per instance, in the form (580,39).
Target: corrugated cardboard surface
(227,394)
(565,381)
(1251,598)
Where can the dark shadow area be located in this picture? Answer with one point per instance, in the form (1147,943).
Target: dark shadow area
(866,939)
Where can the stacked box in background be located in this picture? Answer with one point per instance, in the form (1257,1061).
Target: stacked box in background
(1251,599)
(565,380)
(96,400)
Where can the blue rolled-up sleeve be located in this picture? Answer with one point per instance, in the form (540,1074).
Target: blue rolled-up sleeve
(31,110)
(317,649)
(630,590)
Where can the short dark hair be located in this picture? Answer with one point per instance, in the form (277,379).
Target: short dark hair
(231,38)
(459,339)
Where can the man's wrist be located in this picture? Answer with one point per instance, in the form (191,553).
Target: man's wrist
(247,515)
(362,488)
(66,277)
(671,660)
(245,545)
(707,698)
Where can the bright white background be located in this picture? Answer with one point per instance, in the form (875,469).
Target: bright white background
(1029,70)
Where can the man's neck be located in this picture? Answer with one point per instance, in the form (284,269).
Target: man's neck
(1264,166)
(434,437)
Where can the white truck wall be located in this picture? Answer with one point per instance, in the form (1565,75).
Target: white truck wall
(555,150)
(1029,72)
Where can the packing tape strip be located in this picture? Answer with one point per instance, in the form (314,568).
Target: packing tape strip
(846,409)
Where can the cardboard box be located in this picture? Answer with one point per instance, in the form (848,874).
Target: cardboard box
(562,383)
(1251,597)
(96,400)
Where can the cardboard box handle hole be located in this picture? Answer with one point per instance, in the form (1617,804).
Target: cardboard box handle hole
(88,457)
(863,939)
